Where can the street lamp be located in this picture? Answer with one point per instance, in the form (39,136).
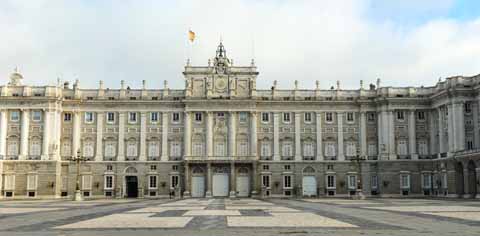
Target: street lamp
(359,192)
(77,160)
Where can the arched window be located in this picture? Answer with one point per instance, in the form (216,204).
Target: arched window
(153,150)
(12,147)
(88,149)
(66,148)
(309,170)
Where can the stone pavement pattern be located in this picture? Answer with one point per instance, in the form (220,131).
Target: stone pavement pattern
(241,217)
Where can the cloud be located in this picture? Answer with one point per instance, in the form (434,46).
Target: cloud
(303,40)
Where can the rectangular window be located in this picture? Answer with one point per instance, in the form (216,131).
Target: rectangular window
(468,107)
(422,148)
(265,117)
(308,149)
(175,117)
(266,181)
(175,149)
(286,117)
(405,181)
(37,116)
(331,182)
(266,167)
(400,115)
(265,149)
(110,149)
(88,117)
(153,168)
(110,117)
(330,149)
(374,182)
(35,148)
(132,149)
(242,117)
(286,167)
(153,150)
(154,117)
(67,117)
(469,144)
(132,117)
(198,149)
(307,117)
(372,149)
(351,149)
(174,180)
(329,117)
(108,182)
(352,182)
(9,182)
(371,117)
(198,117)
(427,181)
(220,149)
(14,116)
(350,117)
(220,115)
(152,182)
(242,149)
(287,149)
(287,181)
(402,148)
(421,115)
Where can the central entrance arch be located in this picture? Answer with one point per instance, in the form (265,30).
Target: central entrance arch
(130,186)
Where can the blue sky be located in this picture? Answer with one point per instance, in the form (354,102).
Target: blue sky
(403,42)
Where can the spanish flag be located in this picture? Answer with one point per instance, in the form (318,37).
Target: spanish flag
(191,35)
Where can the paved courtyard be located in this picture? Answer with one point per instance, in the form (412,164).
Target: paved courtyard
(241,217)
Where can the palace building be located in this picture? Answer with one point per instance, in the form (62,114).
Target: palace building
(220,136)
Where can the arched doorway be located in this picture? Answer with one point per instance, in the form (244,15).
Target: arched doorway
(243,182)
(131,182)
(220,182)
(472,178)
(198,182)
(459,178)
(309,182)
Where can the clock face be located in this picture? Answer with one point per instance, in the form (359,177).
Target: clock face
(221,83)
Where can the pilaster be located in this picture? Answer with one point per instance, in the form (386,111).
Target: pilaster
(298,149)
(47,133)
(121,136)
(319,137)
(187,133)
(3,133)
(99,144)
(276,134)
(253,134)
(143,136)
(412,139)
(209,134)
(232,135)
(165,121)
(363,134)
(24,134)
(340,153)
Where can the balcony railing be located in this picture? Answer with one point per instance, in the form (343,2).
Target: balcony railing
(220,158)
(467,152)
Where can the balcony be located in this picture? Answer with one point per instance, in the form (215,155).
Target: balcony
(220,158)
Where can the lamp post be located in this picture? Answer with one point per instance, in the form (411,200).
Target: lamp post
(78,160)
(359,192)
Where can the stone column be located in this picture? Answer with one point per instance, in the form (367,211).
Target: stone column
(459,125)
(466,184)
(298,141)
(186,193)
(187,134)
(121,136)
(99,144)
(164,136)
(412,136)
(391,136)
(254,180)
(209,134)
(340,155)
(47,133)
(363,134)
(3,133)
(381,144)
(441,147)
(76,133)
(319,136)
(451,131)
(253,134)
(232,136)
(233,179)
(24,133)
(143,136)
(276,134)
(476,132)
(432,133)
(209,180)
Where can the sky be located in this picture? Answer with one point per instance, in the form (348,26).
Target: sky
(404,43)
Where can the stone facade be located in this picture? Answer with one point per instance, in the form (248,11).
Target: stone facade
(221,136)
